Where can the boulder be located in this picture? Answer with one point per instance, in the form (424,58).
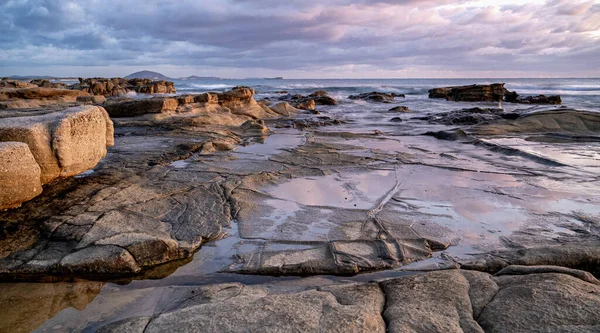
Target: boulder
(19,175)
(63,143)
(400,109)
(240,101)
(139,107)
(472,93)
(209,98)
(309,104)
(376,97)
(256,127)
(94,99)
(284,109)
(42,83)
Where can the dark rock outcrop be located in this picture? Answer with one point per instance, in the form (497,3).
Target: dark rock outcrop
(319,97)
(399,109)
(377,97)
(489,93)
(472,93)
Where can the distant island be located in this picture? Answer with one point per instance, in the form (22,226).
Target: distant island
(148,75)
(145,74)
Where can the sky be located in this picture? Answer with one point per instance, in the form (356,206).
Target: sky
(301,38)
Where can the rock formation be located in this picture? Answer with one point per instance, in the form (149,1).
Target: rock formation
(63,144)
(377,97)
(119,86)
(489,93)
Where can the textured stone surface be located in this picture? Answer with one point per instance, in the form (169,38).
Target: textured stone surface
(19,175)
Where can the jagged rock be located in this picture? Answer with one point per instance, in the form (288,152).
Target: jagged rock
(94,99)
(473,93)
(376,97)
(19,175)
(319,97)
(138,107)
(400,109)
(309,104)
(63,143)
(185,99)
(209,98)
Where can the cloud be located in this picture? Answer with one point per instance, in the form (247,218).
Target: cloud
(557,37)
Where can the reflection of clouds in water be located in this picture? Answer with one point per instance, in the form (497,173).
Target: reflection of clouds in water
(360,191)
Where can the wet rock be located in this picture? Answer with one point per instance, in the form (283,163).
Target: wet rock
(470,116)
(254,127)
(564,122)
(322,98)
(63,143)
(319,97)
(133,108)
(541,99)
(400,109)
(376,97)
(99,260)
(309,104)
(19,175)
(448,135)
(396,120)
(473,93)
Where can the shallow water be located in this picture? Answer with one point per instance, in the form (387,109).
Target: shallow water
(469,196)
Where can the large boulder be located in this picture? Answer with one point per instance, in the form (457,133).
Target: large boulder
(376,97)
(63,143)
(472,93)
(284,109)
(19,175)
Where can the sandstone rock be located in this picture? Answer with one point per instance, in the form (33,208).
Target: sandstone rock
(400,109)
(62,95)
(206,98)
(7,83)
(241,102)
(42,83)
(63,143)
(473,93)
(119,86)
(185,99)
(94,99)
(140,107)
(306,105)
(256,127)
(19,175)
(376,97)
(284,109)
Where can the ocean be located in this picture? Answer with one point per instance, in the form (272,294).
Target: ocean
(577,93)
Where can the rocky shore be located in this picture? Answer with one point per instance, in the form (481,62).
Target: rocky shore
(262,193)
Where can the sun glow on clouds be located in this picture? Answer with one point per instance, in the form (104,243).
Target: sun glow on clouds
(304,38)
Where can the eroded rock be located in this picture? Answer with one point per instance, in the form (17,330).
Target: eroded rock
(377,97)
(19,175)
(473,93)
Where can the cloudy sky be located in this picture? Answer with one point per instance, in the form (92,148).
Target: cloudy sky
(301,38)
